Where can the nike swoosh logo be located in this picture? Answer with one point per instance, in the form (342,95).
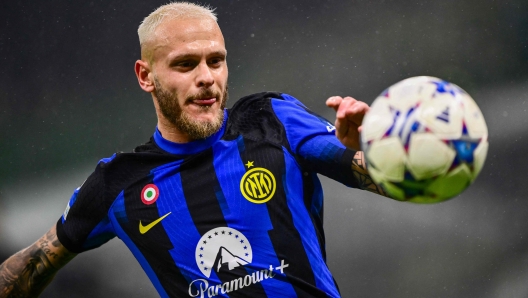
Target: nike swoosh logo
(143,229)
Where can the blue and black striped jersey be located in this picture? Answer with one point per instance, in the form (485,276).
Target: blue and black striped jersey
(239,214)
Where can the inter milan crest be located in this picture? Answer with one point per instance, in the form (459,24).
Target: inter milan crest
(149,194)
(258,184)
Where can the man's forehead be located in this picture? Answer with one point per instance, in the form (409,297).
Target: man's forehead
(192,33)
(187,30)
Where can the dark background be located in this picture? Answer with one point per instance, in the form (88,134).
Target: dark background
(69,96)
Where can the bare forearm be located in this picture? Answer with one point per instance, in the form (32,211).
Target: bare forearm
(29,271)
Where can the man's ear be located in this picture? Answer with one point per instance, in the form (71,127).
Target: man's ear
(142,69)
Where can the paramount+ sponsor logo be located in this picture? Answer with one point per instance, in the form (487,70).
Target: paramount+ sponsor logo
(225,249)
(205,290)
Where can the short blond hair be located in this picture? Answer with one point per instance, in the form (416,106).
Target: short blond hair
(173,10)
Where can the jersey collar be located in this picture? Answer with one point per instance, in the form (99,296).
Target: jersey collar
(191,147)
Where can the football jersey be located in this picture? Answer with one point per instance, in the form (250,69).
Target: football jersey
(238,214)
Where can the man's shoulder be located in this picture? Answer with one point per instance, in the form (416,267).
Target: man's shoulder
(144,156)
(257,98)
(113,174)
(253,117)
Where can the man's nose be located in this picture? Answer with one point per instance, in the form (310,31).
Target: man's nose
(204,76)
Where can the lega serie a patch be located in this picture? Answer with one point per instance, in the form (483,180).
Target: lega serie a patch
(149,194)
(70,202)
(65,214)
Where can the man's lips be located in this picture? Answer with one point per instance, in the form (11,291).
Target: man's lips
(204,101)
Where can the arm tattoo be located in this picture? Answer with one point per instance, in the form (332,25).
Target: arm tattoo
(359,167)
(358,160)
(29,271)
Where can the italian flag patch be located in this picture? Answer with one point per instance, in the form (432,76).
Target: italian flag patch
(149,194)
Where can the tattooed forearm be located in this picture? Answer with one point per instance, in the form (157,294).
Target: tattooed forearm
(361,173)
(359,161)
(29,271)
(26,276)
(367,184)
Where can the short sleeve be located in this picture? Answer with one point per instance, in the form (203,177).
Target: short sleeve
(312,139)
(85,224)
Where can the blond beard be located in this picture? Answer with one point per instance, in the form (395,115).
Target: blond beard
(195,129)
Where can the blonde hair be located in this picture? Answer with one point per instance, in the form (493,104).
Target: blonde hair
(174,10)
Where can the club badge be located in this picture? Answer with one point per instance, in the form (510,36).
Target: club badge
(258,184)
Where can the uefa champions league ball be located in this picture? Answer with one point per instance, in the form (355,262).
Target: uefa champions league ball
(425,140)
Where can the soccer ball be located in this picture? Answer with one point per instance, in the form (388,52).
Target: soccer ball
(425,140)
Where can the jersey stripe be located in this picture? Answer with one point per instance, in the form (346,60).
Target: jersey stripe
(199,183)
(255,223)
(304,225)
(179,226)
(313,201)
(204,199)
(117,217)
(154,244)
(290,250)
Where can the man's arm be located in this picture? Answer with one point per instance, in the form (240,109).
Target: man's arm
(349,116)
(28,272)
(359,167)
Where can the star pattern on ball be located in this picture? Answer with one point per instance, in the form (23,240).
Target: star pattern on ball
(446,87)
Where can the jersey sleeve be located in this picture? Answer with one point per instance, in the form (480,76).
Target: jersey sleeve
(85,224)
(312,139)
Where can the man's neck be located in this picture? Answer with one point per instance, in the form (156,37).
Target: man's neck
(171,133)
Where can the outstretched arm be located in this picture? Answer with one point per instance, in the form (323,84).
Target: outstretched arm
(349,116)
(359,167)
(28,272)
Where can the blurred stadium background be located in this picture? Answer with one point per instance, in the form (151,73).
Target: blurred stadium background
(68,97)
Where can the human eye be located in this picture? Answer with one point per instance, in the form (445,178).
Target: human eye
(216,61)
(183,65)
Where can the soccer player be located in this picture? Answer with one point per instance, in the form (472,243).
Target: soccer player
(220,202)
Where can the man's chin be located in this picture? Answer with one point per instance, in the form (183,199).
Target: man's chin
(200,126)
(205,115)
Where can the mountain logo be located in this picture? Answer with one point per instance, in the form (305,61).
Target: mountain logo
(225,258)
(222,248)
